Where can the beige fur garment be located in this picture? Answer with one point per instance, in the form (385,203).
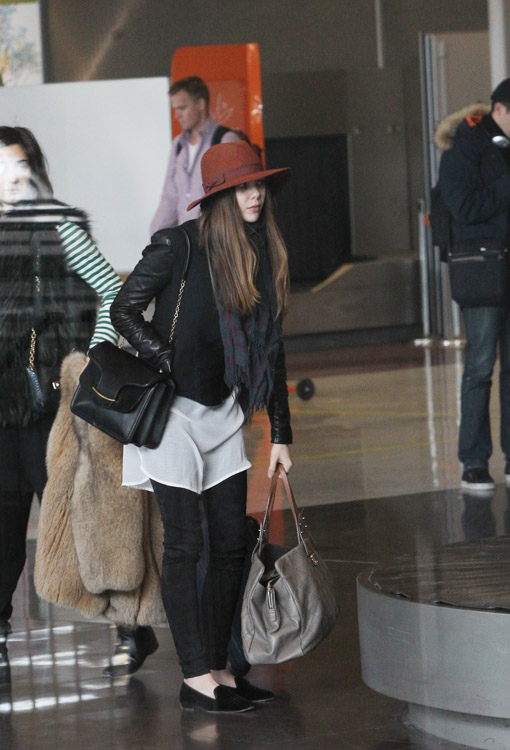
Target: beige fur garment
(99,544)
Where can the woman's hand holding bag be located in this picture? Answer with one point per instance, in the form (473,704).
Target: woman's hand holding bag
(280,457)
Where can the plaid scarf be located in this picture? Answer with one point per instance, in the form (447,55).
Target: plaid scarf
(251,342)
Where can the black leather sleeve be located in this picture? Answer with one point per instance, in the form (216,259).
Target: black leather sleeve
(278,404)
(149,276)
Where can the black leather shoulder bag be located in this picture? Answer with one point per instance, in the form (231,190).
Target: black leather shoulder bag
(479,273)
(122,394)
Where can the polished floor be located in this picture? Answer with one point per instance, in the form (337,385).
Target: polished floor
(375,464)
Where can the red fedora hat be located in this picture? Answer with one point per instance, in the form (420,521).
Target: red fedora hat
(229,164)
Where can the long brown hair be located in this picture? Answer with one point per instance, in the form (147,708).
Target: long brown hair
(233,258)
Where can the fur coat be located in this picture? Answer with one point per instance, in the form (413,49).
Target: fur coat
(99,544)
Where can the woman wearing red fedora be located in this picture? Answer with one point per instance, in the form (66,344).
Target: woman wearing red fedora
(227,361)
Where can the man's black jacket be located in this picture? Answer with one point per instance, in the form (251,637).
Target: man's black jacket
(475,183)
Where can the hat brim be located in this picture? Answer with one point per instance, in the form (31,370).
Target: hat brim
(277,178)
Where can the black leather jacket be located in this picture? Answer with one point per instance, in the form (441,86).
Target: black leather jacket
(197,360)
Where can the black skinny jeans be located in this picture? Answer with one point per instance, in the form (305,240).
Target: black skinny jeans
(22,473)
(201,632)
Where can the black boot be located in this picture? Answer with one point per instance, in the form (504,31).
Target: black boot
(133,646)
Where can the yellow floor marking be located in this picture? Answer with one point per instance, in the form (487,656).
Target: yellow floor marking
(332,277)
(358,413)
(357,451)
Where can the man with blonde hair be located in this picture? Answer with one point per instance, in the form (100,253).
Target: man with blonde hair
(189,99)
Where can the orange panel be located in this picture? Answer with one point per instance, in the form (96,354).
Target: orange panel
(232,73)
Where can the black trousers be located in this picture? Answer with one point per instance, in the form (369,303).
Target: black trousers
(22,473)
(201,631)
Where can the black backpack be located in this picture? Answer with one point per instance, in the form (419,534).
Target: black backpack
(218,135)
(440,220)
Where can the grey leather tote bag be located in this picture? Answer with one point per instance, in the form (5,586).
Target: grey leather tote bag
(289,604)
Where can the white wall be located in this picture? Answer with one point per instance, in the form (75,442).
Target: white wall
(107,145)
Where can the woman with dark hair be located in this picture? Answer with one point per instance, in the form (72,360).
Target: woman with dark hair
(51,275)
(228,361)
(23,156)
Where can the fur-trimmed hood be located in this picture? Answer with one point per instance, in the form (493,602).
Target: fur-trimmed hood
(447,128)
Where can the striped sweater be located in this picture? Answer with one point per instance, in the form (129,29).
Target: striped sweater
(83,257)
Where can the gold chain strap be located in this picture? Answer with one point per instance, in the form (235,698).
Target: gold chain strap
(181,289)
(31,356)
(177,306)
(172,331)
(176,313)
(33,335)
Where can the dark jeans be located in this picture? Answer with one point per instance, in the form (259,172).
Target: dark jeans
(201,632)
(22,473)
(485,328)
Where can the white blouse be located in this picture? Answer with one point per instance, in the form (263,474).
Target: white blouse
(201,447)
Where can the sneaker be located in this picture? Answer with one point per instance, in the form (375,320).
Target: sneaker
(477,479)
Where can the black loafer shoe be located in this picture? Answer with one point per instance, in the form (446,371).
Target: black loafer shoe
(133,646)
(225,701)
(251,692)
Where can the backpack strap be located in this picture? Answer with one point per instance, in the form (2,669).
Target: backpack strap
(218,134)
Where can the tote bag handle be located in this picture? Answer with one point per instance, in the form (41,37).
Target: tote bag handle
(266,523)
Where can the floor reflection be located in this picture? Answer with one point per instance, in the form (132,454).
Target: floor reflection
(376,466)
(377,433)
(51,688)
